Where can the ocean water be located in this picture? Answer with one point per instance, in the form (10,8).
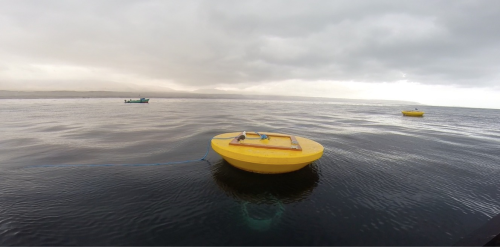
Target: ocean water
(384,179)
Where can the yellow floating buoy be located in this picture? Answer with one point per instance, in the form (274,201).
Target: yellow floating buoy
(278,153)
(413,113)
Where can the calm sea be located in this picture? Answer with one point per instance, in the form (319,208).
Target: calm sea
(384,179)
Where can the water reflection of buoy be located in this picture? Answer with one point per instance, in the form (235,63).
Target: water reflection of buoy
(262,217)
(257,188)
(263,197)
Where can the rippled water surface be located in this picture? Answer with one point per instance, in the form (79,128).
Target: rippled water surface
(384,179)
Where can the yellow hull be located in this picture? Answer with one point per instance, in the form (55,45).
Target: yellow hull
(277,155)
(264,168)
(413,113)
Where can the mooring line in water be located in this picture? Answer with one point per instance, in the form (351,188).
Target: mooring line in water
(152,164)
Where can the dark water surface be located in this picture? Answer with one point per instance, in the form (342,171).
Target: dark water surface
(384,179)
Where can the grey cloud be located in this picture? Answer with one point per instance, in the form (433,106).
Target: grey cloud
(201,43)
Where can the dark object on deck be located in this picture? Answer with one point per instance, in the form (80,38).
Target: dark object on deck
(241,137)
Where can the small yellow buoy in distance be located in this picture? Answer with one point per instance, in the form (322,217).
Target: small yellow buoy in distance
(413,113)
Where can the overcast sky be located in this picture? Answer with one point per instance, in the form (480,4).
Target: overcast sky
(432,52)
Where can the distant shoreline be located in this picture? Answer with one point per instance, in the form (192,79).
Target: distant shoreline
(4,94)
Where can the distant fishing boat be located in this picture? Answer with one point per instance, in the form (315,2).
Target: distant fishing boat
(141,100)
(413,113)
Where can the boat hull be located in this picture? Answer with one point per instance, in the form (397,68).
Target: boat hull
(413,113)
(137,101)
(267,156)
